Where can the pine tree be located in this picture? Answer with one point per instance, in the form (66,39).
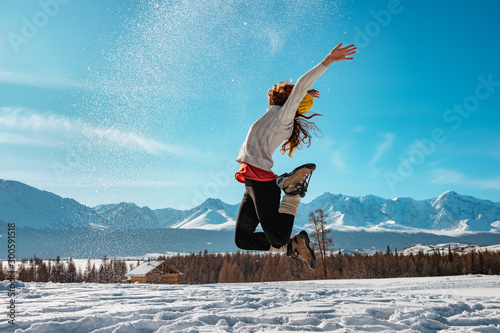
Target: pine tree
(32,269)
(104,271)
(42,273)
(269,270)
(283,269)
(71,272)
(23,273)
(450,254)
(412,267)
(79,275)
(86,273)
(93,276)
(224,272)
(122,271)
(58,271)
(472,268)
(235,274)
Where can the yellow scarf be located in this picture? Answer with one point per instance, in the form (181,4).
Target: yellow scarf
(306,104)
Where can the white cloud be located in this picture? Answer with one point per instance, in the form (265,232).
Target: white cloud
(383,147)
(20,118)
(38,81)
(15,139)
(33,178)
(359,129)
(495,149)
(338,161)
(487,184)
(447,176)
(88,181)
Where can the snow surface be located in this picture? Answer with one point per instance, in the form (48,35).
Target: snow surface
(456,304)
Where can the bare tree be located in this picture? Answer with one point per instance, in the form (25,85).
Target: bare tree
(322,243)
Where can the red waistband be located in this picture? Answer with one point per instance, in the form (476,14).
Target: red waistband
(248,171)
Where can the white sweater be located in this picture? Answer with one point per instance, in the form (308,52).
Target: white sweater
(276,125)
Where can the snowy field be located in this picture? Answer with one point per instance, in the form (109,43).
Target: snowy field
(455,304)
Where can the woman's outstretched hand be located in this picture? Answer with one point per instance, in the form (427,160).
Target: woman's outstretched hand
(314,93)
(339,53)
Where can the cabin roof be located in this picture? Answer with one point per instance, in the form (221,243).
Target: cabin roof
(145,268)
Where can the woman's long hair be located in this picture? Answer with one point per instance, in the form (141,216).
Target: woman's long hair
(301,126)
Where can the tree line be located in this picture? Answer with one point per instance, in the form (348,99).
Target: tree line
(253,267)
(39,270)
(205,268)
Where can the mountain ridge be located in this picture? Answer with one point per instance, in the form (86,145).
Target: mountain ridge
(450,211)
(33,208)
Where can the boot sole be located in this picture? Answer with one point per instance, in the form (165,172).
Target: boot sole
(310,166)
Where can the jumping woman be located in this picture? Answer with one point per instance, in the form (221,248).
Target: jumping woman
(285,124)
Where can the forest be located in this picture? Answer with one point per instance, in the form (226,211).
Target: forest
(204,267)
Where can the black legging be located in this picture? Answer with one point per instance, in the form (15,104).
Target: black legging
(260,204)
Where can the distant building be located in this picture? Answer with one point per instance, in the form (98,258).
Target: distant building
(154,271)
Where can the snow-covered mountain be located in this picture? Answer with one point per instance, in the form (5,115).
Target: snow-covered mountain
(449,211)
(213,214)
(444,248)
(128,216)
(461,212)
(29,207)
(46,224)
(167,217)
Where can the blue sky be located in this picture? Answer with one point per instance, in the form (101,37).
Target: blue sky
(150,101)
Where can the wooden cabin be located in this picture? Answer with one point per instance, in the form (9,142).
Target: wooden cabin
(153,271)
